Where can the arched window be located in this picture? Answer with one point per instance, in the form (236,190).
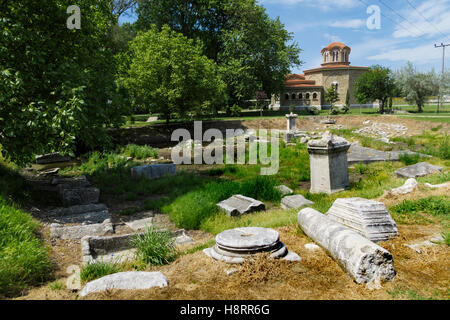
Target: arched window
(307,96)
(286,96)
(300,96)
(315,95)
(294,96)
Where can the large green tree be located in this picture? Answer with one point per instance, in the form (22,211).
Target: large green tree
(168,73)
(253,52)
(415,86)
(57,89)
(377,83)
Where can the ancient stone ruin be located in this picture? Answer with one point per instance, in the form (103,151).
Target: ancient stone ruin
(369,218)
(239,204)
(328,164)
(417,170)
(237,245)
(154,171)
(362,259)
(131,280)
(294,202)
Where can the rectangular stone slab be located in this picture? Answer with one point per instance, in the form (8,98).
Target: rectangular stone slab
(78,232)
(417,170)
(239,204)
(154,171)
(71,197)
(295,202)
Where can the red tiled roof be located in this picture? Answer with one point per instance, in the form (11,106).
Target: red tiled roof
(295,76)
(334,66)
(302,86)
(336,44)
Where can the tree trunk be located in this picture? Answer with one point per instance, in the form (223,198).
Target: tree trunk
(420,108)
(382,106)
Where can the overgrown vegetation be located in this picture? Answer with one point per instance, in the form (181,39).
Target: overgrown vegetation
(421,211)
(24,260)
(155,247)
(98,269)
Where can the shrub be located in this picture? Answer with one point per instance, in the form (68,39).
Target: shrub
(408,158)
(444,149)
(155,247)
(139,152)
(313,110)
(98,269)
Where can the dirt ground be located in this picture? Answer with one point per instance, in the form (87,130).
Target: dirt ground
(316,276)
(345,122)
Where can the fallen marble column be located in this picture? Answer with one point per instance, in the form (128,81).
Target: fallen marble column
(361,258)
(407,187)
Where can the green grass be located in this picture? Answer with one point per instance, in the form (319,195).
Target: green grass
(155,247)
(139,152)
(98,269)
(411,211)
(57,285)
(404,292)
(24,260)
(267,219)
(190,210)
(409,159)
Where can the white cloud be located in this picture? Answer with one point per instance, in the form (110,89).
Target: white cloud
(331,38)
(437,14)
(322,4)
(420,54)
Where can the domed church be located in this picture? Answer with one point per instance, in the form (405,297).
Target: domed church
(307,89)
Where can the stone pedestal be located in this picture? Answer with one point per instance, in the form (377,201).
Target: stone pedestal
(328,164)
(291,122)
(291,127)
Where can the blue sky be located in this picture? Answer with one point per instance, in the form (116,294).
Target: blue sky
(408,30)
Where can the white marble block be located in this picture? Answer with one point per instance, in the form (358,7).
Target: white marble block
(369,218)
(328,164)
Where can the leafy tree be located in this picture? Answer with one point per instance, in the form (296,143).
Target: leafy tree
(168,74)
(252,50)
(119,7)
(416,86)
(332,96)
(377,83)
(346,107)
(57,90)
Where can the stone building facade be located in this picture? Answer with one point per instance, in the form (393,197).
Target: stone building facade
(307,89)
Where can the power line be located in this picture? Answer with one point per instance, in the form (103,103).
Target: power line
(445,37)
(398,14)
(395,23)
(442,45)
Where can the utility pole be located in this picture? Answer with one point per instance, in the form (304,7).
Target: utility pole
(442,73)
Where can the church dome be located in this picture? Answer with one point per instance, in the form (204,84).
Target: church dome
(336,45)
(336,53)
